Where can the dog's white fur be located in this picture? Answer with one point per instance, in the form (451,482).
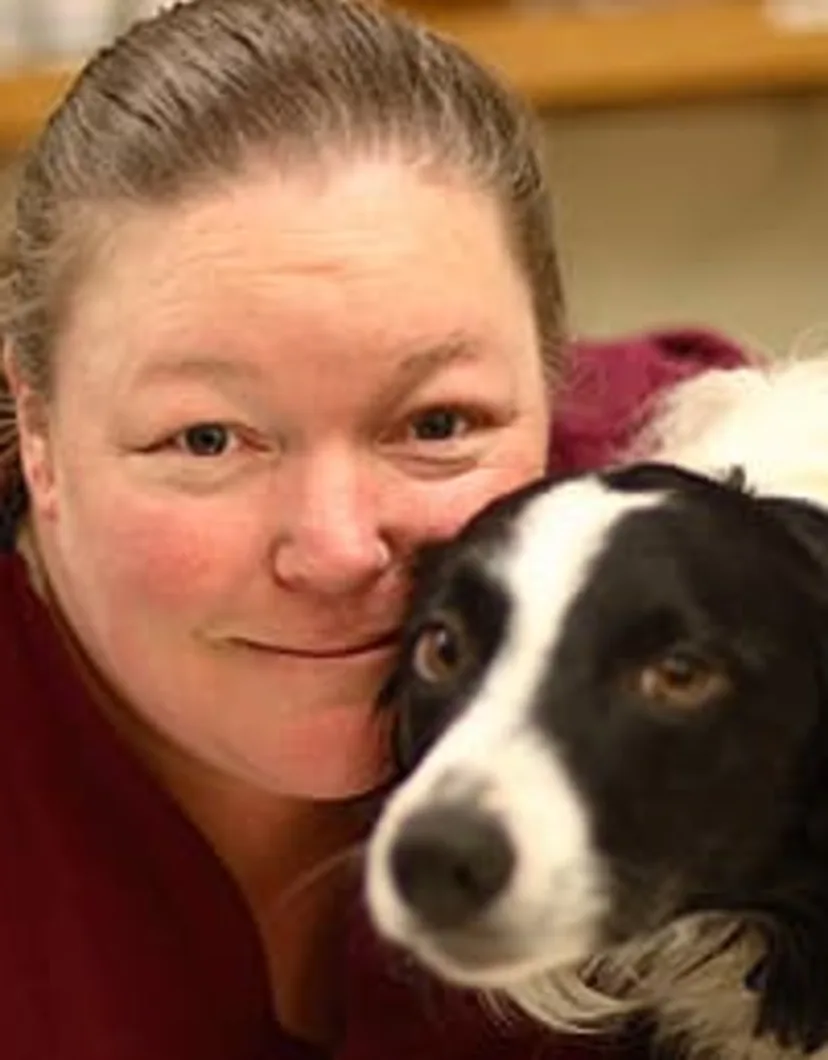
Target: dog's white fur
(492,757)
(771,418)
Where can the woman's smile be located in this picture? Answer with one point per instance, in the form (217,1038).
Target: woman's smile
(380,642)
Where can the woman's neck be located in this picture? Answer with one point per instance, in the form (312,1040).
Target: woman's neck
(270,842)
(296,862)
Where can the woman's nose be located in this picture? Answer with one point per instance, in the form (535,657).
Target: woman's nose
(329,540)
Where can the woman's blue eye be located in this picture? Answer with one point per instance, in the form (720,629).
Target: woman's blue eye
(205,439)
(437,425)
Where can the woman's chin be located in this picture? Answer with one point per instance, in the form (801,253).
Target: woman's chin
(335,753)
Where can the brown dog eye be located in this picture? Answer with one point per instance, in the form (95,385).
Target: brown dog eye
(440,653)
(682,681)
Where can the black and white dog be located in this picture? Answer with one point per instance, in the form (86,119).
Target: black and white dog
(612,701)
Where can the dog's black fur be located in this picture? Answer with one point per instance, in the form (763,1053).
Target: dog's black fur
(724,809)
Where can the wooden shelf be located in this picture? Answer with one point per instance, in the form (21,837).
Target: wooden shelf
(690,51)
(693,51)
(26,98)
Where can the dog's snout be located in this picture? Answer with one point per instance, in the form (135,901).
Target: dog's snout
(449,863)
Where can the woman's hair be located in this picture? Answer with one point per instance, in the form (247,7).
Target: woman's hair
(194,96)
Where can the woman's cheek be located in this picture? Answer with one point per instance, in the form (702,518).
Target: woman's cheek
(167,553)
(445,507)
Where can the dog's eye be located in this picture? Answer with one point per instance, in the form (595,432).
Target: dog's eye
(682,681)
(440,652)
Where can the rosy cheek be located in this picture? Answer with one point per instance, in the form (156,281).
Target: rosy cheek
(168,554)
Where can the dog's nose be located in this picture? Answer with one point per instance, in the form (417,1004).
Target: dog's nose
(449,863)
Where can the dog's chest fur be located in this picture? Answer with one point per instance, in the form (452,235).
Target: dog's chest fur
(690,979)
(710,1011)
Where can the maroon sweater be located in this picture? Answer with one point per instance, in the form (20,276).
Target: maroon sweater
(122,937)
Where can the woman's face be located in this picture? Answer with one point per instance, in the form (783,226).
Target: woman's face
(265,400)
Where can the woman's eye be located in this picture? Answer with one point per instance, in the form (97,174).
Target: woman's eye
(439,425)
(205,439)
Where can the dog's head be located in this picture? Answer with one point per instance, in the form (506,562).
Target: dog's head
(610,703)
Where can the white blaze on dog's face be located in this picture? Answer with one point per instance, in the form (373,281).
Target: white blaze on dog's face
(587,657)
(494,764)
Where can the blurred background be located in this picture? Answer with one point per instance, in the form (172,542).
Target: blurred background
(687,143)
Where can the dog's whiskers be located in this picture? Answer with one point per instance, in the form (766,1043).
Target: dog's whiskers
(351,858)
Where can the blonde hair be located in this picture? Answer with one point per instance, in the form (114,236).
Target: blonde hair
(185,100)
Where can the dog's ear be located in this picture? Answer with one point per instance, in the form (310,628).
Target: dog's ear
(791,980)
(806,524)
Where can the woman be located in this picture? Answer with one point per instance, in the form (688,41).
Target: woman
(283,304)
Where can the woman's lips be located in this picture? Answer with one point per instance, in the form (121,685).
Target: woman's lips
(377,643)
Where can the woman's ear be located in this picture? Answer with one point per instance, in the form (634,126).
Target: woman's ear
(32,425)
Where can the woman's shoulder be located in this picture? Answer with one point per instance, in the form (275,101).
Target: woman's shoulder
(612,383)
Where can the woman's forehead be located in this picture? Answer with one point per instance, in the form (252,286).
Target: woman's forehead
(306,220)
(374,255)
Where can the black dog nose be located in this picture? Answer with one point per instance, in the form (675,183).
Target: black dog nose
(449,863)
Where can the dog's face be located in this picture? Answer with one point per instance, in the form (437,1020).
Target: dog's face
(606,698)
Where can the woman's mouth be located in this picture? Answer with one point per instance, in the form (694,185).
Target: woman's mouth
(379,642)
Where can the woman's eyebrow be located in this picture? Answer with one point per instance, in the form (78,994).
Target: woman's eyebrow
(199,366)
(413,370)
(417,367)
